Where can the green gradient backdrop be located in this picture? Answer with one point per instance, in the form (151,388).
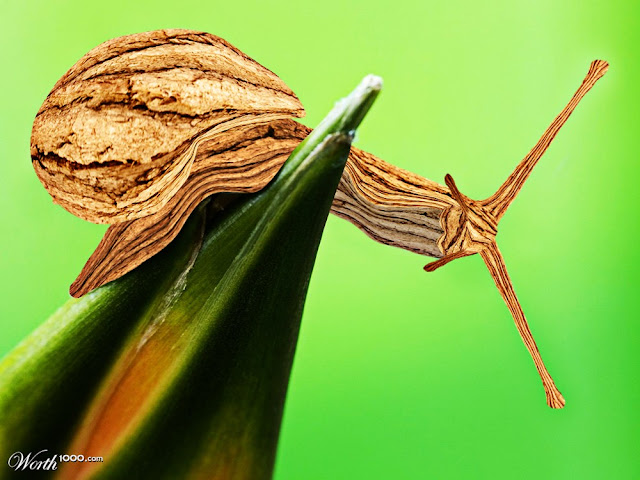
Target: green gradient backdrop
(400,374)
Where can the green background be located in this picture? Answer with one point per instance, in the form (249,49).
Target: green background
(398,373)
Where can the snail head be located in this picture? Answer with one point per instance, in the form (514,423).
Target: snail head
(471,227)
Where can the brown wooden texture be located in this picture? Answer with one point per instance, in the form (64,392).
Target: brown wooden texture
(245,160)
(145,127)
(471,226)
(391,205)
(116,137)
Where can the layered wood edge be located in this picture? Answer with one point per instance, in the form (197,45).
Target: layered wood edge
(391,205)
(117,136)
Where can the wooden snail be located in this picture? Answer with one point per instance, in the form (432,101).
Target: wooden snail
(144,127)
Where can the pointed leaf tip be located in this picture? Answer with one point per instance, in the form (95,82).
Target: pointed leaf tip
(359,102)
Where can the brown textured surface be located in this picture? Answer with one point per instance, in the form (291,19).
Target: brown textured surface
(471,226)
(391,205)
(244,160)
(116,137)
(495,263)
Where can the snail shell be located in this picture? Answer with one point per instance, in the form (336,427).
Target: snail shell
(117,136)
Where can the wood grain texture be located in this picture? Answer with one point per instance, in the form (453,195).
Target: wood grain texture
(116,137)
(495,263)
(471,227)
(245,160)
(391,205)
(498,203)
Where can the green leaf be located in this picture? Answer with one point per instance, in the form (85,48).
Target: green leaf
(180,368)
